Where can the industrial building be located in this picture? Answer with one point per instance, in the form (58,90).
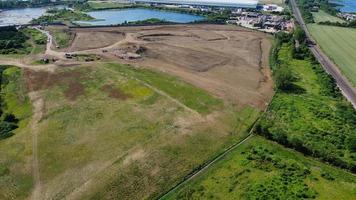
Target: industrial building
(215,3)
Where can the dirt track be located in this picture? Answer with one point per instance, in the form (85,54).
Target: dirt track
(228,61)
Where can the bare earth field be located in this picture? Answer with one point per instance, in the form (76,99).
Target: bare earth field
(160,102)
(227,61)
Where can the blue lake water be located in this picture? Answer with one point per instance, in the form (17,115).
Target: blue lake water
(22,15)
(110,17)
(347,5)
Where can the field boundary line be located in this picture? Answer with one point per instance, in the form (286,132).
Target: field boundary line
(205,166)
(210,163)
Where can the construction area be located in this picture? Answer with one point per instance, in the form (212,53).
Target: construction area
(228,61)
(126,112)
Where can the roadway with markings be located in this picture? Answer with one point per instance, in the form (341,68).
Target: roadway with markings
(348,90)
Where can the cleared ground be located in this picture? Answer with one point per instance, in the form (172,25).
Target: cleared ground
(104,130)
(227,61)
(340,45)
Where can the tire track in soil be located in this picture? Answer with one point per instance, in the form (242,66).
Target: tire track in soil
(38,104)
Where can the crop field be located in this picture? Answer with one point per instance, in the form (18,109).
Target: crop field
(259,169)
(322,16)
(339,44)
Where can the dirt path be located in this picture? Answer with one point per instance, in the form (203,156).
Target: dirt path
(38,104)
(22,64)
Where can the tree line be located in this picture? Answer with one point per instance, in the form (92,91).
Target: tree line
(318,122)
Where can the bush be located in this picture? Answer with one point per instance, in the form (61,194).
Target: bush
(284,78)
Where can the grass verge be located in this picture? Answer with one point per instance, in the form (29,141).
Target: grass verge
(260,169)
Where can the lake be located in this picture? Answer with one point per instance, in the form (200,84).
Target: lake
(22,15)
(110,17)
(347,5)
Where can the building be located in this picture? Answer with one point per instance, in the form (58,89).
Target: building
(214,3)
(272,8)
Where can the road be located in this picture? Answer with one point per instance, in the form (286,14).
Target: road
(49,50)
(342,82)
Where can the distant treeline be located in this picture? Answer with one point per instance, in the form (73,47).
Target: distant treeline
(9,4)
(351,24)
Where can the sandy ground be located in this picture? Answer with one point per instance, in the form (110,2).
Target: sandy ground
(228,61)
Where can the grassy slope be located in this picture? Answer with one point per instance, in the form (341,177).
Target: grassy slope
(38,40)
(133,148)
(236,176)
(322,16)
(340,45)
(190,96)
(15,156)
(62,37)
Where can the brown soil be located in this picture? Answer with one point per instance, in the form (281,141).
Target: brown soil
(228,61)
(89,40)
(75,89)
(40,80)
(115,92)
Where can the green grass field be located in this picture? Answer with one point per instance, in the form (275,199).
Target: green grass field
(16,151)
(311,117)
(261,169)
(62,37)
(340,45)
(110,127)
(322,16)
(278,2)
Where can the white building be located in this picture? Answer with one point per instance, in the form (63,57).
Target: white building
(272,8)
(215,3)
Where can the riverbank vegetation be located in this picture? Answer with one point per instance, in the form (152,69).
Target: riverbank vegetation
(62,16)
(309,113)
(10,4)
(261,169)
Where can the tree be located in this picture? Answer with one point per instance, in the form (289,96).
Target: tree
(299,35)
(351,142)
(284,78)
